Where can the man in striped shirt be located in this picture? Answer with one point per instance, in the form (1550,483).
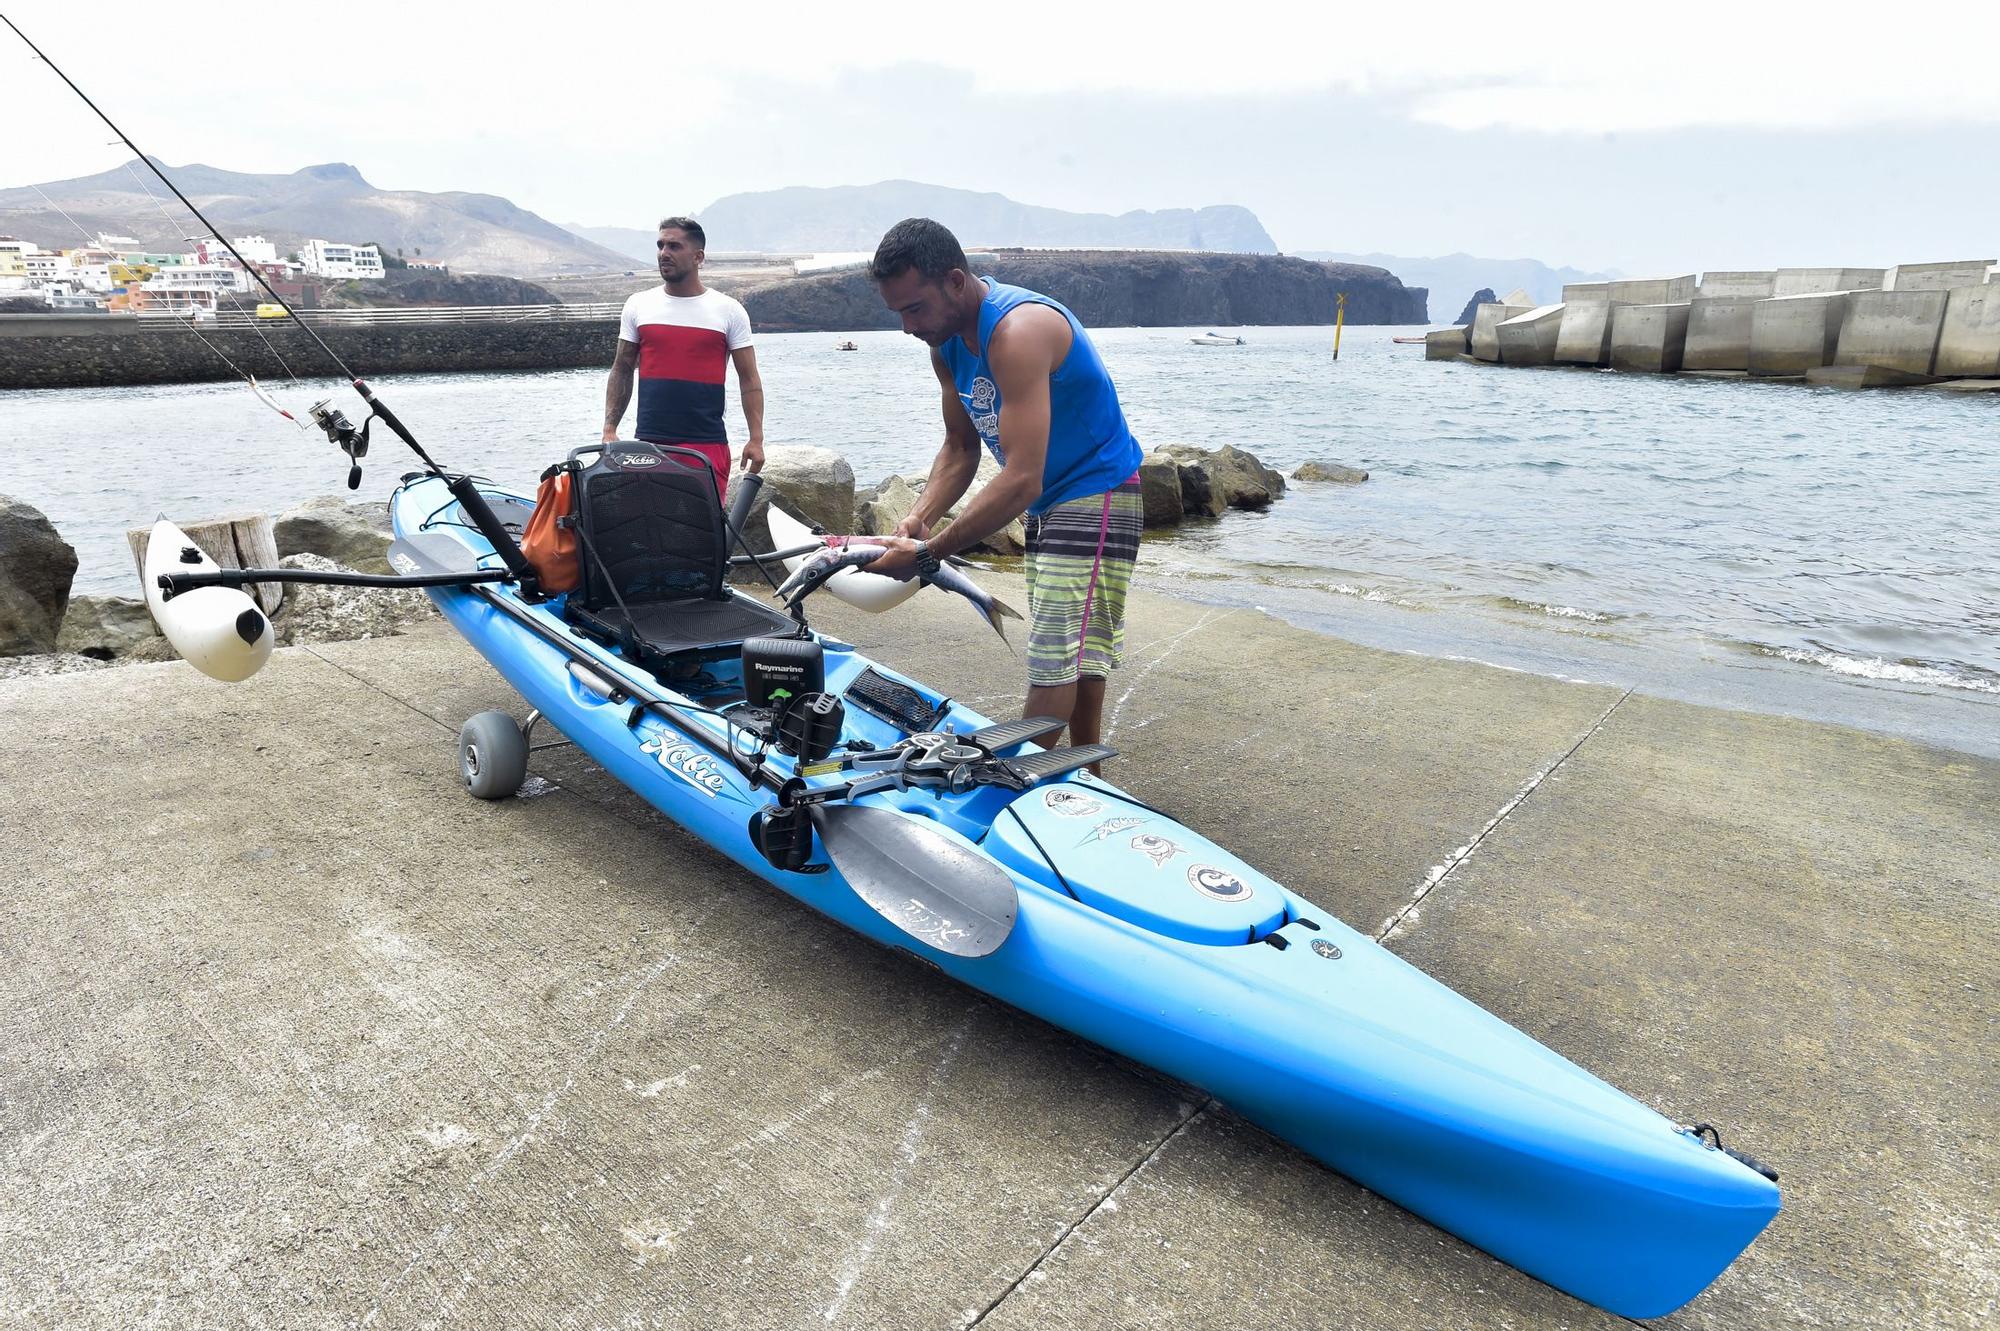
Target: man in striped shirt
(676,338)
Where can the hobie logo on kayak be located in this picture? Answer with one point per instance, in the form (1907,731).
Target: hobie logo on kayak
(1218,883)
(403,563)
(1110,827)
(688,763)
(636,459)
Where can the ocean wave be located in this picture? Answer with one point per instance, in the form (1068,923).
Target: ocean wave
(1556,611)
(1899,672)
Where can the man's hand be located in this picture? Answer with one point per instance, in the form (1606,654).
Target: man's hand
(610,434)
(753,454)
(914,527)
(901,561)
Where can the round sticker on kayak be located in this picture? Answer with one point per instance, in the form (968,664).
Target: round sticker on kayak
(1072,805)
(1218,883)
(1326,949)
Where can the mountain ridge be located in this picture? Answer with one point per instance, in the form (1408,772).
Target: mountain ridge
(329,200)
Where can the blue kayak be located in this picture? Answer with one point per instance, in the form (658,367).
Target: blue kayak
(1127,928)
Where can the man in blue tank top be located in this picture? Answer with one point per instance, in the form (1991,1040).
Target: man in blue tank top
(1022,379)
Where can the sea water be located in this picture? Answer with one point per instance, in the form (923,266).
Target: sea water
(1815,552)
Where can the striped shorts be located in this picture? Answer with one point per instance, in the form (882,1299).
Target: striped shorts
(1080,557)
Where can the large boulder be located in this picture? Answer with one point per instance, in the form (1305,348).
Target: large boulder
(879,509)
(1226,478)
(314,613)
(36,568)
(105,627)
(354,536)
(816,483)
(1160,488)
(1329,471)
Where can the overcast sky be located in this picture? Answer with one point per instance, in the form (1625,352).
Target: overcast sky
(1645,139)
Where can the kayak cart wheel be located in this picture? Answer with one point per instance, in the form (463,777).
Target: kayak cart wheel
(492,755)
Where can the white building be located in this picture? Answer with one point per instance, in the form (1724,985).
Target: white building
(45,267)
(14,255)
(326,258)
(256,249)
(182,279)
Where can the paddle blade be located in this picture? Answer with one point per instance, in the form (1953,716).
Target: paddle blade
(938,890)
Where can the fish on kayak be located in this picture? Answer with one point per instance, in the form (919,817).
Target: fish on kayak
(858,552)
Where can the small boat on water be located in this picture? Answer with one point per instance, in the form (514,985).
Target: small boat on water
(1216,340)
(845,346)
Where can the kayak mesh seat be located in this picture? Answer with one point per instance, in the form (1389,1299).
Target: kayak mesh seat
(655,552)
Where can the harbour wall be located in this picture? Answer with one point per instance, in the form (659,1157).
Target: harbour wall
(57,351)
(1908,324)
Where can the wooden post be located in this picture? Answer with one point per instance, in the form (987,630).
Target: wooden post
(1339,319)
(241,540)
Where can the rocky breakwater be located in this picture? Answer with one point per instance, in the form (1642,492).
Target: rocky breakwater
(1148,289)
(46,630)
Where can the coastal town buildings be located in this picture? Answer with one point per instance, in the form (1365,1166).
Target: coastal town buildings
(115,274)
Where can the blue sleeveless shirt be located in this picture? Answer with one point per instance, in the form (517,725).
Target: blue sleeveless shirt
(1091,449)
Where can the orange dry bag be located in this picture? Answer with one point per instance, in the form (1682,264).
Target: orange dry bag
(550,541)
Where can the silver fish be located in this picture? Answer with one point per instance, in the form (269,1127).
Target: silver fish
(855,552)
(820,565)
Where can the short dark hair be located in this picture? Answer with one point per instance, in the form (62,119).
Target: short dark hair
(689,225)
(919,243)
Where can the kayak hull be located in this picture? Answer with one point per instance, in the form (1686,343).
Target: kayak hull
(1296,1021)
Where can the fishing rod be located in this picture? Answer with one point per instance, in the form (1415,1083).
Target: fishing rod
(329,418)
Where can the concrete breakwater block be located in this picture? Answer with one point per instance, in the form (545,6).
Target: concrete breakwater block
(1936,276)
(1586,293)
(1651,338)
(1756,285)
(1793,334)
(1445,344)
(1823,281)
(1718,335)
(1969,341)
(1530,339)
(1862,376)
(1653,290)
(1485,321)
(1891,330)
(1585,335)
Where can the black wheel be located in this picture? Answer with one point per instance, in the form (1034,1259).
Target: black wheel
(492,755)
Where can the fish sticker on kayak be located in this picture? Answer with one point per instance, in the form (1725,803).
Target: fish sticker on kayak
(1070,804)
(1218,883)
(1157,849)
(688,763)
(1109,828)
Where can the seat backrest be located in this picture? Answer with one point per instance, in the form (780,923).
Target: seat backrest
(651,524)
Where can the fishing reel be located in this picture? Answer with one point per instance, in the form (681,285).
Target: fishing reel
(342,433)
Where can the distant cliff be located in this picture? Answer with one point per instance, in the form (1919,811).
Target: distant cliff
(853,217)
(1148,289)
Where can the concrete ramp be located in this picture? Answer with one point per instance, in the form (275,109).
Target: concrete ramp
(1892,330)
(1936,276)
(1969,341)
(1486,320)
(1758,285)
(1718,335)
(1652,338)
(1792,334)
(1823,281)
(1530,339)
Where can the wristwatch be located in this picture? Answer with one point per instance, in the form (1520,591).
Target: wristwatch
(927,563)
